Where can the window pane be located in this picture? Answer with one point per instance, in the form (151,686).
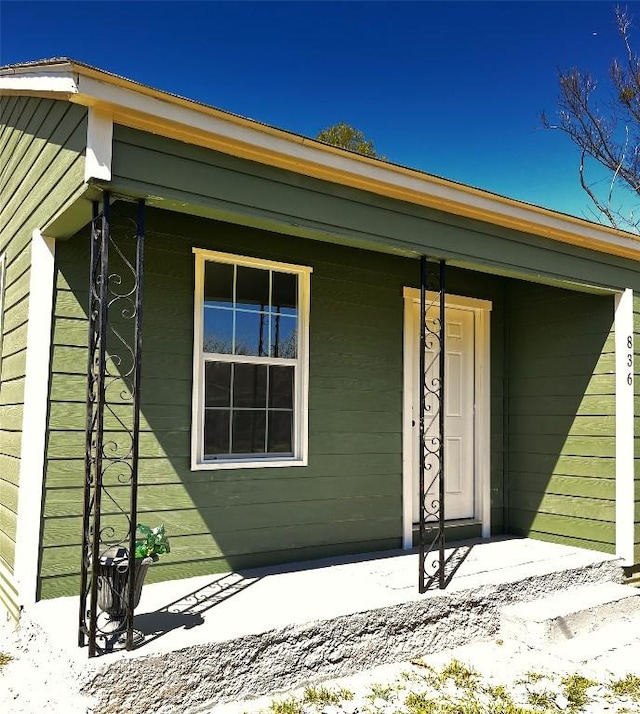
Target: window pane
(281,387)
(250,386)
(252,289)
(217,386)
(285,293)
(218,283)
(252,333)
(280,430)
(216,432)
(284,336)
(217,330)
(249,432)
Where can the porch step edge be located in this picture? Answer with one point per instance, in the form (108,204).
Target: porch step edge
(572,613)
(599,644)
(302,653)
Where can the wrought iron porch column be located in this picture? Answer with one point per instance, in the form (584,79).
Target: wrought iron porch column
(431,425)
(113,391)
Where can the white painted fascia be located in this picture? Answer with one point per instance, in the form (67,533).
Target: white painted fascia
(34,420)
(47,81)
(64,81)
(139,100)
(308,150)
(624,425)
(97,164)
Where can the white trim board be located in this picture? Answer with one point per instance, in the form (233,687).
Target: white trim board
(482,402)
(624,421)
(34,420)
(97,163)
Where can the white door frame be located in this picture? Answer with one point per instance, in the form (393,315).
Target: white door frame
(482,407)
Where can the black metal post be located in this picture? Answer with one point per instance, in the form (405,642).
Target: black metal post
(135,444)
(441,424)
(114,372)
(88,474)
(432,426)
(421,444)
(99,430)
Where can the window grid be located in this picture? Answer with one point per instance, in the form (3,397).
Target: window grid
(272,315)
(231,399)
(266,409)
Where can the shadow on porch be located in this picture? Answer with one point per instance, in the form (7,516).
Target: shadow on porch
(231,636)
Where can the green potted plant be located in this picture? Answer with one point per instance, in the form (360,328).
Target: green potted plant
(153,544)
(113,578)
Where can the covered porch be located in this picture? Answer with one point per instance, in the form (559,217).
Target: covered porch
(117,428)
(538,393)
(252,632)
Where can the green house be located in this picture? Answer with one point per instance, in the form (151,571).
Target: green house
(277,362)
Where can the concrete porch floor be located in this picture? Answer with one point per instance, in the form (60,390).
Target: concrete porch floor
(245,634)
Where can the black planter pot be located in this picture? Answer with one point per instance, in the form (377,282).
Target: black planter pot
(113,589)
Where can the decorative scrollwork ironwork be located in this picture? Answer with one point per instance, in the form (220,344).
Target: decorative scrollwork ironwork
(431,423)
(112,433)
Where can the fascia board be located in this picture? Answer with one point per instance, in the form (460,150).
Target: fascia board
(151,110)
(45,82)
(197,124)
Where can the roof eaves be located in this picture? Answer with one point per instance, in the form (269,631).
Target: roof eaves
(296,152)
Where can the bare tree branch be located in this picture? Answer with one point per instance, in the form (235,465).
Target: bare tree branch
(602,207)
(608,133)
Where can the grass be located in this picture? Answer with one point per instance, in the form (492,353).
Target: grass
(286,706)
(417,703)
(5,659)
(541,700)
(575,690)
(532,678)
(463,677)
(321,696)
(420,703)
(379,691)
(316,696)
(458,689)
(628,686)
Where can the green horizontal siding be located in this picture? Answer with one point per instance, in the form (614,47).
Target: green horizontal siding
(191,179)
(42,145)
(349,498)
(561,431)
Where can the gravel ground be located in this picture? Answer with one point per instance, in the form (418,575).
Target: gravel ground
(40,679)
(527,675)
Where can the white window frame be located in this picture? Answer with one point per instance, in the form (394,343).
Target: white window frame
(301,387)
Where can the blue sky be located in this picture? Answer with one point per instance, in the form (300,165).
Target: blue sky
(452,88)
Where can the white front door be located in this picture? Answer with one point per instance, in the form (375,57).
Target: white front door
(459,397)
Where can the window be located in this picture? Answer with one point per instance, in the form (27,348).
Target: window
(250,362)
